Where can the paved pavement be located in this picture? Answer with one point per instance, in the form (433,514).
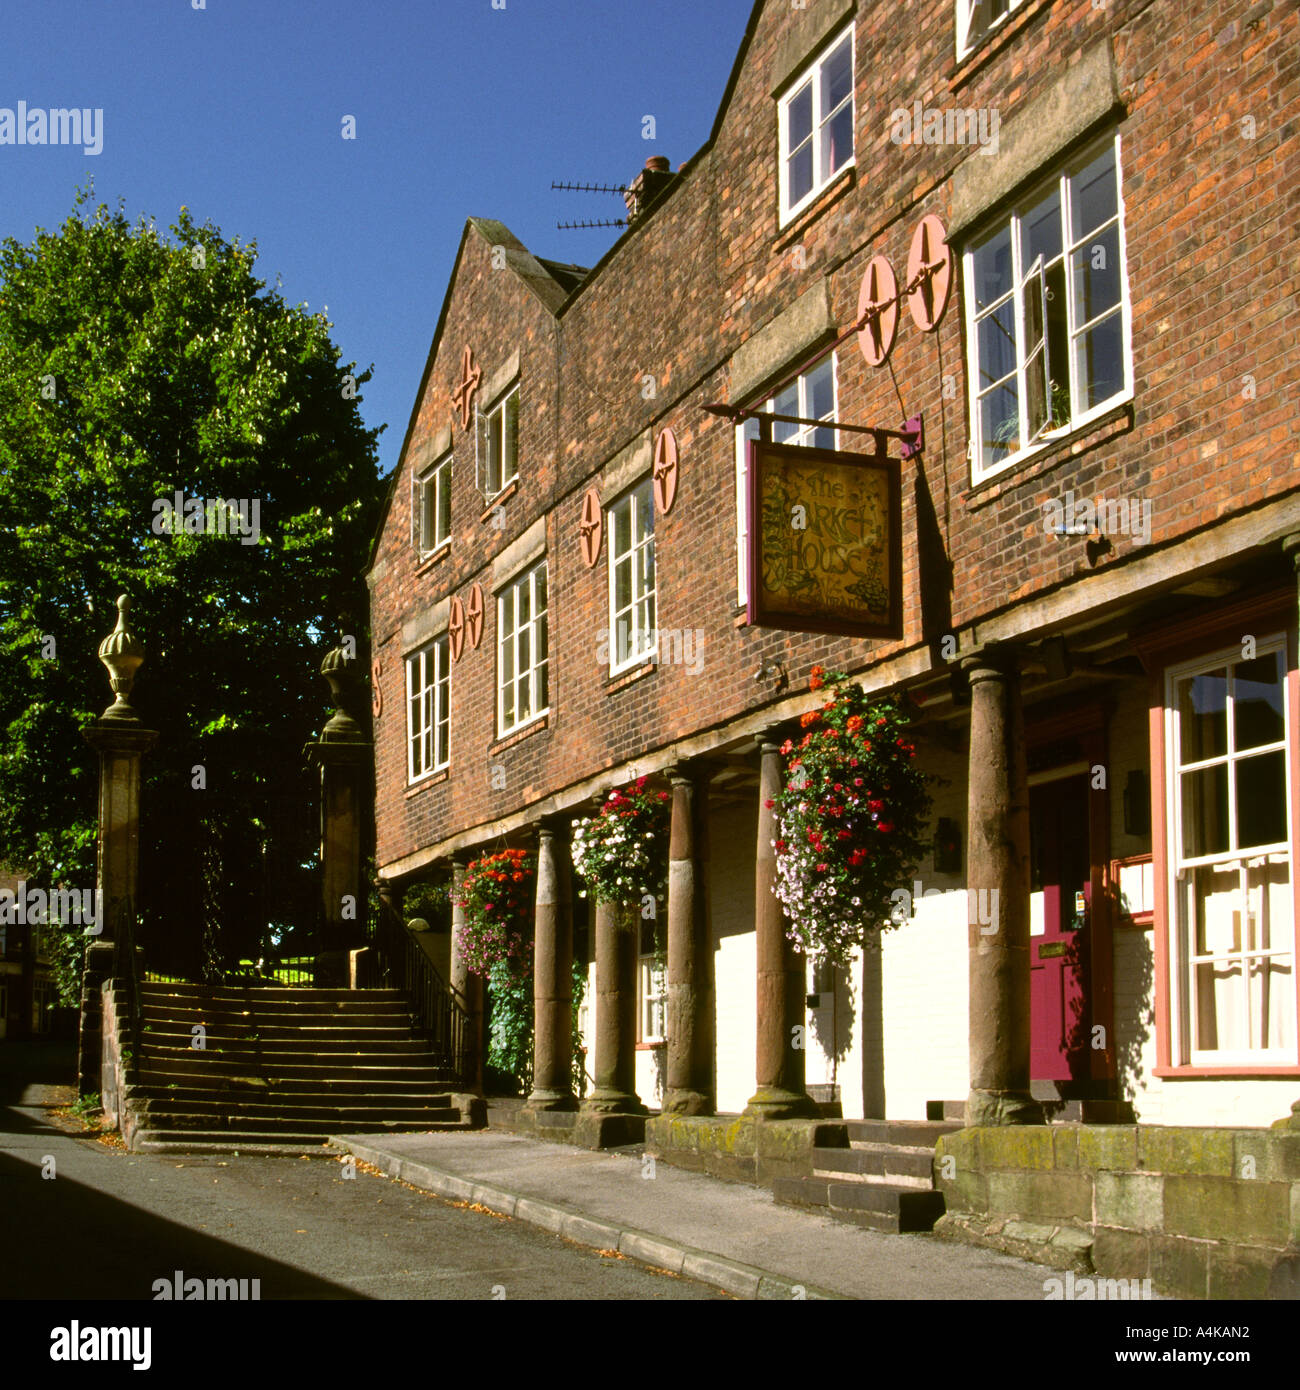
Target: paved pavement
(728,1234)
(81,1220)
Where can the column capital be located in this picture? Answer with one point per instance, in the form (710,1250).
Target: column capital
(1291,547)
(554,826)
(991,660)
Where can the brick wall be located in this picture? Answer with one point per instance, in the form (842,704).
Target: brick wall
(1209,224)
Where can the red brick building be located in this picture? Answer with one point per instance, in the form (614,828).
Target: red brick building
(1098,558)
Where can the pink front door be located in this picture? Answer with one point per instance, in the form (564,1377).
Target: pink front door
(1059,944)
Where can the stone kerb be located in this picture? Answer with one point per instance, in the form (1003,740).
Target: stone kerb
(1203,1213)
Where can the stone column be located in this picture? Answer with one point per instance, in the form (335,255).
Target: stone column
(997,895)
(553,975)
(345,756)
(617,948)
(121,741)
(779,1064)
(466,989)
(689,1089)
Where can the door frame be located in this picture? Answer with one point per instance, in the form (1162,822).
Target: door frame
(1084,724)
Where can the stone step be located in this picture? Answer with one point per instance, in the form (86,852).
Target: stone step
(245,1096)
(181,1123)
(281,1048)
(276,1018)
(304,1035)
(882,1163)
(279,1114)
(300,996)
(397,1071)
(908,1133)
(878,1206)
(329,1083)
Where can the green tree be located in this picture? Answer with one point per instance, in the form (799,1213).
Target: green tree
(134,366)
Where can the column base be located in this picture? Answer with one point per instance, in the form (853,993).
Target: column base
(609,1102)
(1003,1108)
(776,1103)
(545,1099)
(684,1102)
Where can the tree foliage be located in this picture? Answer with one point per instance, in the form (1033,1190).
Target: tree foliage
(134,366)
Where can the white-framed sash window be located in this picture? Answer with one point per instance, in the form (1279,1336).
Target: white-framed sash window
(1232,916)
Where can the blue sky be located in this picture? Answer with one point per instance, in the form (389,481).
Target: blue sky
(236,111)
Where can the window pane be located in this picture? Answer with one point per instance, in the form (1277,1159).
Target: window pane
(1203,716)
(444,503)
(1205,811)
(1257,701)
(541,634)
(996,335)
(837,76)
(819,391)
(1220,1007)
(622,519)
(1093,195)
(494,452)
(622,584)
(523,604)
(645,513)
(800,174)
(539,588)
(645,567)
(1272,993)
(1100,361)
(999,426)
(837,141)
(1095,272)
(1261,799)
(823,438)
(510,443)
(540,678)
(799,119)
(1040,230)
(992,268)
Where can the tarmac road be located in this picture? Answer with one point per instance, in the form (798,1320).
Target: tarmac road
(107,1224)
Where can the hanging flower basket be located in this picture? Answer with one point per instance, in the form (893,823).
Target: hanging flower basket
(622,851)
(496,895)
(850,819)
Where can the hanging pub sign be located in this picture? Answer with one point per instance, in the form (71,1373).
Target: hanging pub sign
(825,544)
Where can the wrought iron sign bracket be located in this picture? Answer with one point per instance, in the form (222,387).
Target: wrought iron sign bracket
(911,437)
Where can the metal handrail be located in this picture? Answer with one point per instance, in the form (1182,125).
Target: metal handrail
(435,1010)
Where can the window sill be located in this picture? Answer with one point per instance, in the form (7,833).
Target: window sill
(790,231)
(433,557)
(1033,464)
(616,683)
(523,731)
(652,1045)
(501,497)
(433,779)
(991,43)
(741,619)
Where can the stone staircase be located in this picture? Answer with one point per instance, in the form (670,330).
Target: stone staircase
(278,1069)
(874,1173)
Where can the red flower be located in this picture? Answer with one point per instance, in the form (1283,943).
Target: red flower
(885,826)
(821,868)
(880,721)
(805,720)
(853,723)
(815,681)
(769,803)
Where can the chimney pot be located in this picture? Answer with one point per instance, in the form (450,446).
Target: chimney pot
(659,163)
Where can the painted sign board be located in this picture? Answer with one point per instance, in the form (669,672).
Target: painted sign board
(825,541)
